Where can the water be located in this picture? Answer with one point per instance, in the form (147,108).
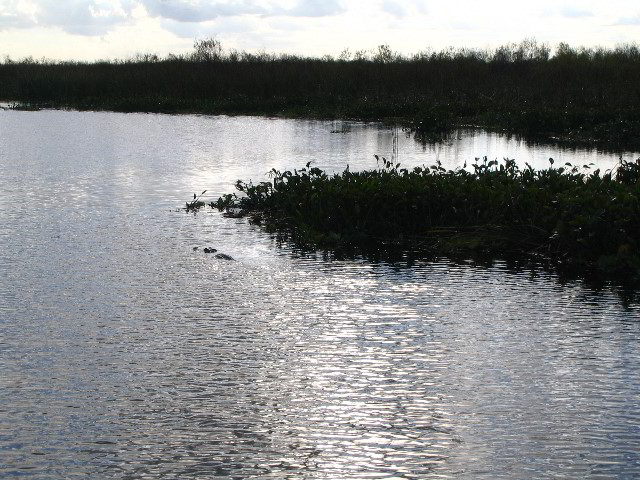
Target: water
(125,353)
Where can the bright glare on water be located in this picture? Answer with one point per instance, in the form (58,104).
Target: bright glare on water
(126,353)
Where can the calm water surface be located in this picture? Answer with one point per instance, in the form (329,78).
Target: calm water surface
(125,353)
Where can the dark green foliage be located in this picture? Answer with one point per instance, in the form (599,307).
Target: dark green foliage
(433,125)
(584,220)
(575,94)
(196,204)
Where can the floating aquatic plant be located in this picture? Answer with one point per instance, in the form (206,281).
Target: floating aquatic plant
(572,215)
(196,204)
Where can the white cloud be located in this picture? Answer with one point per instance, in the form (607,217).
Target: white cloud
(395,8)
(218,27)
(286,24)
(575,12)
(633,20)
(313,8)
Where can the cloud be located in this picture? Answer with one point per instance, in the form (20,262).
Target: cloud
(203,10)
(187,29)
(83,17)
(16,14)
(286,24)
(313,8)
(402,9)
(629,21)
(224,26)
(97,17)
(394,8)
(9,20)
(574,12)
(199,10)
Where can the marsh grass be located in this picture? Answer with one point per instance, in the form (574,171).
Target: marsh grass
(577,94)
(570,216)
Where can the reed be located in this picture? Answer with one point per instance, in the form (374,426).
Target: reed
(576,94)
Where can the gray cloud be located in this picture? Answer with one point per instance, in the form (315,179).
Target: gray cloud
(11,20)
(206,10)
(186,18)
(199,10)
(83,17)
(97,17)
(11,16)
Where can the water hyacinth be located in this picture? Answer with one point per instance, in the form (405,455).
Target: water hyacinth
(588,220)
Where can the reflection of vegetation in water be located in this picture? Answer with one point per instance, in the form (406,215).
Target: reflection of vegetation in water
(578,219)
(586,94)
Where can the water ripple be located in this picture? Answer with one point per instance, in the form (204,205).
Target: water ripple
(125,353)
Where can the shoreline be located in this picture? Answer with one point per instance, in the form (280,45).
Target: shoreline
(627,139)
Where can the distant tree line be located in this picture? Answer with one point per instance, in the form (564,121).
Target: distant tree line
(583,94)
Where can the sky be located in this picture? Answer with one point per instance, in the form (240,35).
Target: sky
(90,30)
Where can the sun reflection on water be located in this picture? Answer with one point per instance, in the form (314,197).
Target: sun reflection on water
(126,353)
